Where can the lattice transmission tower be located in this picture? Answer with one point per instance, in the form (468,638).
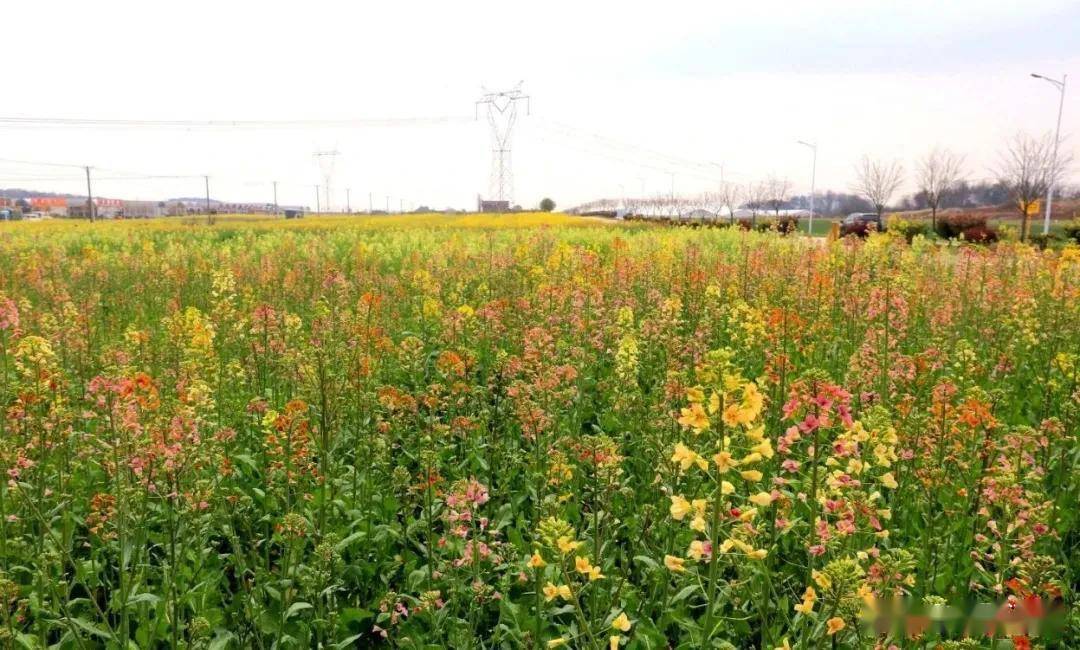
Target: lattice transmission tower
(502,112)
(326,160)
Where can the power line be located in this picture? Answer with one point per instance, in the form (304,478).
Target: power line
(608,142)
(17,122)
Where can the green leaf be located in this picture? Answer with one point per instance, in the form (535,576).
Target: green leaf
(296,608)
(345,543)
(685,592)
(90,628)
(144,597)
(647,561)
(221,640)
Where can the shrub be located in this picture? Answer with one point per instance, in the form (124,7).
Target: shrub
(786,225)
(1072,230)
(909,229)
(1043,241)
(953,225)
(980,234)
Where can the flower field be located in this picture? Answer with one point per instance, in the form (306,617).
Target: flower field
(533,432)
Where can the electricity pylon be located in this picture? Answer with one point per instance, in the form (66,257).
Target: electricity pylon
(502,110)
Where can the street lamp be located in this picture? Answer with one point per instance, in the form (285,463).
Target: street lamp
(1060,85)
(813,178)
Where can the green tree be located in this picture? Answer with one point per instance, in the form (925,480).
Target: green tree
(547,205)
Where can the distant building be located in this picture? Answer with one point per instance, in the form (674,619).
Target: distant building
(103,208)
(53,205)
(142,209)
(242,208)
(492,206)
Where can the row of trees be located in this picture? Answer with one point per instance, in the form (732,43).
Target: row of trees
(1026,168)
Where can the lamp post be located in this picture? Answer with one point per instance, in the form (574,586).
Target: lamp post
(1060,85)
(813,178)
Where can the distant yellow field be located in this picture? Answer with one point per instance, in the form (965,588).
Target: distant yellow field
(225,221)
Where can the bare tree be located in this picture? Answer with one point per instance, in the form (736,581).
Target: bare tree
(877,181)
(1027,167)
(938,173)
(756,194)
(776,193)
(729,196)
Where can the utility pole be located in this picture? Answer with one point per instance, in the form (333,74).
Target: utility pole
(318,207)
(89,196)
(206,179)
(1060,85)
(348,201)
(275,199)
(369,202)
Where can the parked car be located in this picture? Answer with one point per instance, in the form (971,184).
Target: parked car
(860,223)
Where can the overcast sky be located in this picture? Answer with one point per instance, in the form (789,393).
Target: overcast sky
(625,97)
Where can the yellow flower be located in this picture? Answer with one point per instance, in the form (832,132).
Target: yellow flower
(582,564)
(567,545)
(748,515)
(867,595)
(694,417)
(556,643)
(758,554)
(752,457)
(822,580)
(698,523)
(564,592)
(726,546)
(714,403)
(695,394)
(752,402)
(757,434)
(888,481)
(674,563)
(697,550)
(550,591)
(764,448)
(726,488)
(724,461)
(809,597)
(786,646)
(613,642)
(536,562)
(761,499)
(594,574)
(750,475)
(686,457)
(834,625)
(680,507)
(621,623)
(732,415)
